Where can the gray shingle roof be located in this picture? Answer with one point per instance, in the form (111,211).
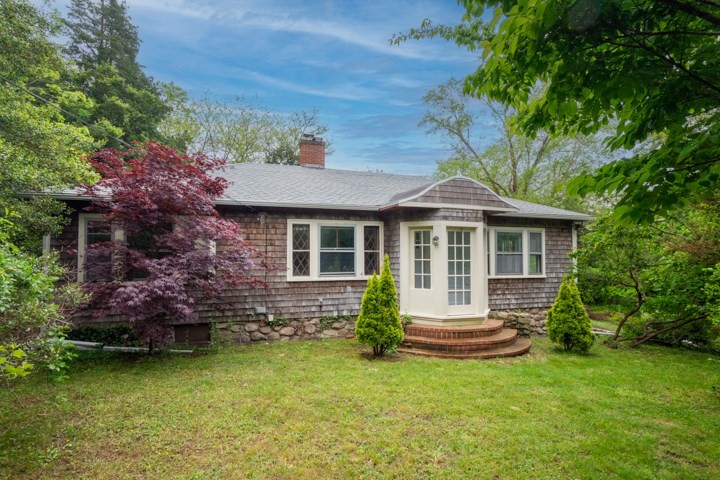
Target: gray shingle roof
(259,184)
(529,209)
(281,185)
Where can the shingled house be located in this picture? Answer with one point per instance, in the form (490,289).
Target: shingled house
(467,262)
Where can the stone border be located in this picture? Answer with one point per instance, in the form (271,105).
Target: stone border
(527,321)
(259,331)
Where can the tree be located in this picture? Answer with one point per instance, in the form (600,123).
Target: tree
(104,44)
(237,131)
(39,151)
(664,274)
(173,239)
(568,324)
(651,66)
(613,263)
(535,169)
(379,324)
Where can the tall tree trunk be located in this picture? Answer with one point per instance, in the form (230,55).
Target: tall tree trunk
(640,302)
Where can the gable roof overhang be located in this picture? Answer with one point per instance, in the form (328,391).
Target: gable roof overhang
(477,197)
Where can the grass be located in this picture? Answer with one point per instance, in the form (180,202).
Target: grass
(322,409)
(604,324)
(602,315)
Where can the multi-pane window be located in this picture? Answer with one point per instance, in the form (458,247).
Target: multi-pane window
(459,268)
(516,251)
(371,242)
(98,263)
(508,253)
(301,250)
(535,253)
(324,250)
(421,258)
(337,250)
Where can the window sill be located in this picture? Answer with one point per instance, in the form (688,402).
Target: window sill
(363,278)
(505,277)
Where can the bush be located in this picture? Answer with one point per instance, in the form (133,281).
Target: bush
(33,313)
(568,323)
(379,324)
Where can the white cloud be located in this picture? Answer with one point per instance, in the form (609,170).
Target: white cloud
(346,91)
(343,32)
(175,7)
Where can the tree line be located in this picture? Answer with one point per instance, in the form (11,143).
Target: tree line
(639,81)
(59,103)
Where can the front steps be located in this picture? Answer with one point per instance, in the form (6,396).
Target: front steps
(488,340)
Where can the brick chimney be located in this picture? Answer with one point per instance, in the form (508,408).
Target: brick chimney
(312,151)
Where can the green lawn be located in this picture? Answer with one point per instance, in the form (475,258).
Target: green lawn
(320,409)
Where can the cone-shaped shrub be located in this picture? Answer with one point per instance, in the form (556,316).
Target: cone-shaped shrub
(568,324)
(379,322)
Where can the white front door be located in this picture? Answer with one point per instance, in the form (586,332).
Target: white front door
(422,279)
(441,271)
(461,284)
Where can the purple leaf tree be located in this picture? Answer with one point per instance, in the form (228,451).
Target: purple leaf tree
(169,249)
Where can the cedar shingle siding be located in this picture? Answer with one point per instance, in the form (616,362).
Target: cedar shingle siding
(514,293)
(461,192)
(267,232)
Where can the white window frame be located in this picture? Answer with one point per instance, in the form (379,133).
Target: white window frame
(525,251)
(315,226)
(83,219)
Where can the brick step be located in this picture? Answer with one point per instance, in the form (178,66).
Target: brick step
(521,346)
(488,328)
(505,338)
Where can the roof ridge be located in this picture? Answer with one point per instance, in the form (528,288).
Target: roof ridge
(340,170)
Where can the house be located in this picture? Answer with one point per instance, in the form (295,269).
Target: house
(467,261)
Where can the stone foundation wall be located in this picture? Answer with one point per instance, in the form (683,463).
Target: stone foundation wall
(260,331)
(527,321)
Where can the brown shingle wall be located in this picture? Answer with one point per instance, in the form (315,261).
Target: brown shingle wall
(534,292)
(282,298)
(267,233)
(300,300)
(462,192)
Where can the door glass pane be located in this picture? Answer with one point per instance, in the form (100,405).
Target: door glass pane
(421,257)
(459,268)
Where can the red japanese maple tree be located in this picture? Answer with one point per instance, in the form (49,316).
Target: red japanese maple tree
(174,249)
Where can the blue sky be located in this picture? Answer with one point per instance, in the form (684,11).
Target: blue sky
(297,55)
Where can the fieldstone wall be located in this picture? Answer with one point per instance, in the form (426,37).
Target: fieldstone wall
(527,321)
(260,331)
